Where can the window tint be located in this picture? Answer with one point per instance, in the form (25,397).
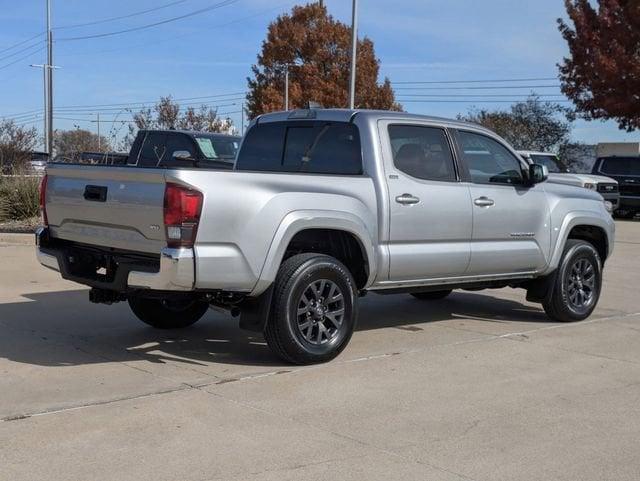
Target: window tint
(552,163)
(154,150)
(176,142)
(213,147)
(422,152)
(313,147)
(488,160)
(620,166)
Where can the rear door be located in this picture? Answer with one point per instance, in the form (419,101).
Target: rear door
(430,210)
(511,231)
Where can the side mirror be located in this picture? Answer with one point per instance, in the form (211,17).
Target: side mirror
(182,155)
(538,173)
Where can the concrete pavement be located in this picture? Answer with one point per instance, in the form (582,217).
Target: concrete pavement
(478,386)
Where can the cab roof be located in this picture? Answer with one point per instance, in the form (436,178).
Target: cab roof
(347,115)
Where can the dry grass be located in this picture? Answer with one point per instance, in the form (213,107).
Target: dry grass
(19,198)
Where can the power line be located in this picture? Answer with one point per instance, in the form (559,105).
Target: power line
(512,101)
(539,79)
(175,37)
(21,43)
(21,58)
(155,24)
(39,42)
(484,87)
(155,101)
(124,105)
(482,95)
(121,17)
(120,109)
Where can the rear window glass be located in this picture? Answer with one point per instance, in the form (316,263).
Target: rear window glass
(154,150)
(311,147)
(621,166)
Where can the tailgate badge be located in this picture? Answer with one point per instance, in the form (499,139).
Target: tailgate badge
(154,227)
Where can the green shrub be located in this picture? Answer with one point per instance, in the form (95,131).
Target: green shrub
(19,198)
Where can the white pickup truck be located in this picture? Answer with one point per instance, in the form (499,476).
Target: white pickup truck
(323,206)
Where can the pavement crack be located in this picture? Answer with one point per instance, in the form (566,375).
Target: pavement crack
(105,402)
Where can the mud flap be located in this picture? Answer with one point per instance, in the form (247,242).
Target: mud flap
(254,311)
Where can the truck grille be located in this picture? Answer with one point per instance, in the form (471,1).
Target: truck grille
(607,188)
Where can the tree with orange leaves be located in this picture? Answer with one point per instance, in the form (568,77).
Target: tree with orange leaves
(316,49)
(602,74)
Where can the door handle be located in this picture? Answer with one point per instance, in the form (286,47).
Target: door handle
(407,199)
(483,202)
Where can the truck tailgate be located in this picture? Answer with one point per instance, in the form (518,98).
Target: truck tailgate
(120,207)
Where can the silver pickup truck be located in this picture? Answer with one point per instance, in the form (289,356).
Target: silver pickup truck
(322,207)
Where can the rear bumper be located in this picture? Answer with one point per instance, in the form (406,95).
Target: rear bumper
(172,270)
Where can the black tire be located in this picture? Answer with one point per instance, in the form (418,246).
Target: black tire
(432,295)
(311,292)
(578,283)
(167,314)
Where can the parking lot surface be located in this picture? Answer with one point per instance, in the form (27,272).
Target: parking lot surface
(477,386)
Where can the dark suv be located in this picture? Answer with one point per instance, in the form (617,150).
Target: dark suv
(626,170)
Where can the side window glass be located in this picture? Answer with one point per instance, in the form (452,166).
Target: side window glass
(262,148)
(488,160)
(422,152)
(176,142)
(154,150)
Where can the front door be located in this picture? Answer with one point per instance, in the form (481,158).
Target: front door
(430,210)
(511,231)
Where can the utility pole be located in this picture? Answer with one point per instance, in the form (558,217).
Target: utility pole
(98,120)
(354,48)
(45,117)
(242,120)
(49,82)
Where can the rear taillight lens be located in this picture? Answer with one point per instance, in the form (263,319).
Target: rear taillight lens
(182,208)
(43,200)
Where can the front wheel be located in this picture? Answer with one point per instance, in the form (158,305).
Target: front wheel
(167,313)
(314,309)
(578,282)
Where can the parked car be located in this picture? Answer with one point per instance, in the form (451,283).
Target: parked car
(179,148)
(38,162)
(560,174)
(322,207)
(621,161)
(167,148)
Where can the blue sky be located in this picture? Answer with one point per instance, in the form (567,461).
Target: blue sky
(211,53)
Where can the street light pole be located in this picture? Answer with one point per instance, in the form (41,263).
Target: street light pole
(286,87)
(49,82)
(354,48)
(45,116)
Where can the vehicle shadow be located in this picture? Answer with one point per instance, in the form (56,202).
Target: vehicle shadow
(65,329)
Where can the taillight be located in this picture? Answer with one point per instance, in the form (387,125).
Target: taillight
(43,200)
(182,207)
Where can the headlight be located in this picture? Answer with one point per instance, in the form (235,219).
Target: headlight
(608,206)
(590,186)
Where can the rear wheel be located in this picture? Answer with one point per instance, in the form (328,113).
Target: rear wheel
(431,296)
(576,289)
(314,309)
(166,313)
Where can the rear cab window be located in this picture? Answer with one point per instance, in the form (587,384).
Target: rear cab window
(313,147)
